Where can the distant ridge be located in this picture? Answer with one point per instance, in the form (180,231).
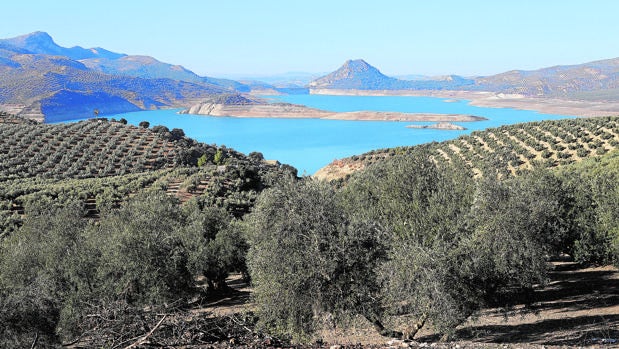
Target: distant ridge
(42,43)
(598,80)
(42,80)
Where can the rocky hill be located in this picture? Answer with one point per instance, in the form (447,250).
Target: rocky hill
(43,80)
(359,75)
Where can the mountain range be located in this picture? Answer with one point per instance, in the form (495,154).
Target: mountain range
(593,80)
(42,80)
(39,78)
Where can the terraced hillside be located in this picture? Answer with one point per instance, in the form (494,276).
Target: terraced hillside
(506,150)
(100,164)
(81,150)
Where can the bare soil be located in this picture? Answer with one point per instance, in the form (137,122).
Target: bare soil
(578,308)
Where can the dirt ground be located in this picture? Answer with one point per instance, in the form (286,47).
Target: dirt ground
(578,308)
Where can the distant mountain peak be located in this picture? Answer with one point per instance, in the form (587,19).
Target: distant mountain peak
(360,75)
(38,35)
(35,42)
(355,74)
(40,42)
(357,65)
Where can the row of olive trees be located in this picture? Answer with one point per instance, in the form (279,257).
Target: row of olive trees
(59,270)
(408,237)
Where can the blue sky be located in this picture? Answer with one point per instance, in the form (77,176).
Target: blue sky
(261,37)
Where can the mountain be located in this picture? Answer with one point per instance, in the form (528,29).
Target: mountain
(43,80)
(42,43)
(58,88)
(113,63)
(359,75)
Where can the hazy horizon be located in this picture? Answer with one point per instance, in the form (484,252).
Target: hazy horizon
(273,37)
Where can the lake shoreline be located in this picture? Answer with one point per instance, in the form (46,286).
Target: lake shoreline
(297,111)
(541,105)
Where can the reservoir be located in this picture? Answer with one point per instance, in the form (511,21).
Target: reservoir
(309,144)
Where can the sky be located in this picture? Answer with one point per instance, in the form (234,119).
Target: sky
(265,37)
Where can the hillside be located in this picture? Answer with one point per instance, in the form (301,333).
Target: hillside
(128,231)
(571,81)
(41,79)
(505,150)
(150,68)
(102,163)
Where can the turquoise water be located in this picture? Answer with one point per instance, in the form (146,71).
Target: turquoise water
(309,144)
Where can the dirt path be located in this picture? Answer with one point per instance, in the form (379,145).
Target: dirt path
(578,307)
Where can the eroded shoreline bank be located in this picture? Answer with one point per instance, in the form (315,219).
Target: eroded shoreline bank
(497,100)
(285,110)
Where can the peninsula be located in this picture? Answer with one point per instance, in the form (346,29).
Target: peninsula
(236,105)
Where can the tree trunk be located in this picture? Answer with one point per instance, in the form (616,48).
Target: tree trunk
(409,333)
(412,330)
(380,328)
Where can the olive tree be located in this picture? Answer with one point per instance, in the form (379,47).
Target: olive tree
(145,260)
(423,208)
(45,266)
(215,244)
(307,259)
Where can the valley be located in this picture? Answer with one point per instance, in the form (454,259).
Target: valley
(145,205)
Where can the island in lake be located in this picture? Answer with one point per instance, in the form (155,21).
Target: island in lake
(237,105)
(440,126)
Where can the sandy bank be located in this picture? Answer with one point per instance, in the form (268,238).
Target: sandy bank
(498,100)
(284,110)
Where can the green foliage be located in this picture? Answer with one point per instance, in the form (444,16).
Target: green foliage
(146,262)
(202,160)
(441,245)
(45,266)
(58,269)
(219,157)
(504,150)
(423,209)
(216,245)
(595,187)
(306,259)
